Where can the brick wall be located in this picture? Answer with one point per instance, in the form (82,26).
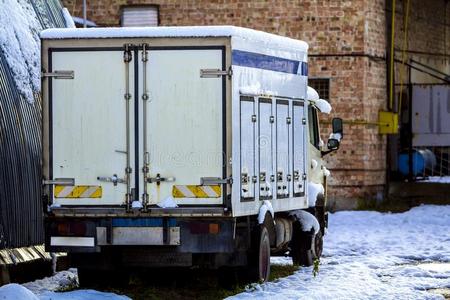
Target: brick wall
(347,44)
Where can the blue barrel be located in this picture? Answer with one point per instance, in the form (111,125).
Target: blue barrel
(422,159)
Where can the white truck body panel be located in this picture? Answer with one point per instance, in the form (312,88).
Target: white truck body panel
(180,145)
(253,122)
(89,123)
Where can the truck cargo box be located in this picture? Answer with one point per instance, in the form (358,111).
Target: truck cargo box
(173,120)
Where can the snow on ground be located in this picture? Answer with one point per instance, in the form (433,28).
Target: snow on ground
(438,179)
(370,255)
(47,289)
(367,255)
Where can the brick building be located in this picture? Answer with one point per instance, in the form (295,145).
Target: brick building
(349,62)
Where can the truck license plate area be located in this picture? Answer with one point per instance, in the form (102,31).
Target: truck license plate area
(146,236)
(142,231)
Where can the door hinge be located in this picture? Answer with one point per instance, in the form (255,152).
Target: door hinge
(215,73)
(127,55)
(304,121)
(59,74)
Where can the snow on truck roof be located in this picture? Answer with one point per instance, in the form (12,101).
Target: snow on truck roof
(175,31)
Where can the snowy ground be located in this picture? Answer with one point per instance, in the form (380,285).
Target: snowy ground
(367,255)
(438,179)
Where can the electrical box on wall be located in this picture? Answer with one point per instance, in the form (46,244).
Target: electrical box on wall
(388,122)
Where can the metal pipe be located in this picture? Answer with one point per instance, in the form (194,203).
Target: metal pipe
(391,62)
(145,169)
(410,131)
(429,68)
(127,56)
(84,14)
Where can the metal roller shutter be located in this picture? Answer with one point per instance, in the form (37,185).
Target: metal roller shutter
(137,16)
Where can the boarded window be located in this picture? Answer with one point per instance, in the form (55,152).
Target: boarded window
(322,86)
(139,16)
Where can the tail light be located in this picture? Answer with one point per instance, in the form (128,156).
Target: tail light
(71,229)
(204,228)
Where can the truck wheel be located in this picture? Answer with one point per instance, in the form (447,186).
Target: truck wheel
(259,256)
(305,246)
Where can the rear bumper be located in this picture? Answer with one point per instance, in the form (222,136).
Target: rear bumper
(178,234)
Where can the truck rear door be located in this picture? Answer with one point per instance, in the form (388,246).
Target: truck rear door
(159,147)
(184,130)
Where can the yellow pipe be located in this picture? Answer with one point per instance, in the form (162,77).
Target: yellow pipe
(360,122)
(391,81)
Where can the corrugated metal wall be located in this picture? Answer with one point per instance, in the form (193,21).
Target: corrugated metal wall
(21,211)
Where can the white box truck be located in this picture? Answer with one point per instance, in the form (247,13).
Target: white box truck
(181,146)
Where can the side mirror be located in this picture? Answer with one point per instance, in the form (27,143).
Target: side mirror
(333,144)
(335,138)
(337,126)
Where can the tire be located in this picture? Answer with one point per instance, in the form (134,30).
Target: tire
(305,246)
(259,256)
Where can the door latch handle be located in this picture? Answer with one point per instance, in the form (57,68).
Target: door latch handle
(114,179)
(159,179)
(60,181)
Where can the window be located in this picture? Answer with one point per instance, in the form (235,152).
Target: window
(322,86)
(313,127)
(139,16)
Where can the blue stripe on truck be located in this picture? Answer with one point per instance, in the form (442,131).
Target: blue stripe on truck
(268,62)
(142,222)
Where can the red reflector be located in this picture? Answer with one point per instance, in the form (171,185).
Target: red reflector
(63,229)
(213,228)
(72,229)
(204,228)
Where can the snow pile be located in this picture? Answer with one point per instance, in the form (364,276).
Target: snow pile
(82,295)
(307,220)
(68,18)
(63,279)
(314,164)
(256,90)
(370,255)
(312,94)
(326,172)
(323,106)
(261,37)
(169,202)
(46,289)
(15,291)
(314,189)
(438,179)
(265,207)
(136,204)
(20,44)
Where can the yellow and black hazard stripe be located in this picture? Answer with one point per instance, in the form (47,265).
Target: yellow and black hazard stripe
(77,191)
(196,191)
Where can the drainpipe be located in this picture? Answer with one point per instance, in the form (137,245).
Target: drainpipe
(84,14)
